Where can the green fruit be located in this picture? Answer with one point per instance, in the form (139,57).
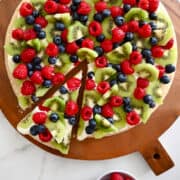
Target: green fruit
(121,118)
(76,31)
(13,48)
(26,123)
(23,102)
(91,96)
(49,32)
(64,149)
(66,18)
(147,71)
(74,95)
(41,91)
(119,54)
(81,127)
(114,2)
(137,14)
(107,26)
(87,54)
(36,2)
(19,23)
(35,43)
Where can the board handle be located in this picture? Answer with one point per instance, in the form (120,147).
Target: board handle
(157,157)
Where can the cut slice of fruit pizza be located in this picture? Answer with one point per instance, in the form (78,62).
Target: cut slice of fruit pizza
(128,49)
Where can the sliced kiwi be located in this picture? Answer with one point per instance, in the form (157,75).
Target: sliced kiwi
(104,99)
(64,149)
(26,123)
(19,22)
(66,18)
(74,95)
(114,2)
(147,71)
(87,54)
(121,118)
(41,91)
(91,96)
(81,127)
(24,102)
(119,54)
(137,14)
(108,25)
(36,2)
(49,32)
(35,43)
(13,48)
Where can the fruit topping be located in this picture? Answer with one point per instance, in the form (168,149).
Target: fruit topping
(86,113)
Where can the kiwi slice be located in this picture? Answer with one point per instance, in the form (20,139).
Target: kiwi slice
(121,118)
(119,54)
(19,23)
(81,127)
(41,91)
(74,95)
(114,2)
(66,18)
(36,2)
(87,54)
(64,149)
(13,48)
(91,96)
(23,101)
(35,43)
(49,32)
(26,123)
(147,71)
(107,26)
(137,14)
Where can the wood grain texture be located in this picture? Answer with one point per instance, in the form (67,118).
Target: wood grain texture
(142,138)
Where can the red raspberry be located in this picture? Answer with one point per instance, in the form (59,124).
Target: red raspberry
(132,118)
(139,93)
(118,35)
(161,71)
(116,11)
(71,108)
(50,7)
(144,4)
(28,88)
(145,31)
(26,9)
(28,54)
(86,113)
(58,78)
(72,48)
(41,21)
(103,87)
(20,72)
(43,108)
(63,9)
(45,136)
(116,101)
(47,72)
(126,67)
(117,176)
(73,84)
(157,51)
(153,5)
(133,26)
(88,43)
(169,44)
(39,117)
(64,35)
(101,62)
(37,77)
(18,34)
(100,6)
(95,28)
(124,27)
(65,1)
(107,45)
(52,50)
(142,82)
(135,57)
(90,84)
(107,111)
(29,34)
(84,8)
(131,2)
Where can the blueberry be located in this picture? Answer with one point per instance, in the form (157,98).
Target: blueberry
(34,130)
(57,40)
(111,120)
(126,101)
(152,104)
(153,41)
(106,13)
(170,68)
(119,20)
(37,27)
(60,26)
(134,47)
(38,67)
(89,130)
(146,53)
(142,23)
(92,123)
(41,128)
(129,36)
(35,13)
(30,66)
(16,58)
(113,82)
(61,48)
(153,25)
(126,7)
(150,60)
(147,99)
(98,17)
(75,16)
(83,18)
(153,16)
(30,19)
(117,67)
(72,120)
(52,60)
(128,108)
(76,2)
(30,73)
(115,45)
(54,117)
(97,109)
(41,34)
(90,75)
(74,58)
(73,7)
(63,90)
(100,38)
(34,98)
(110,65)
(99,50)
(37,60)
(47,83)
(165,79)
(121,77)
(79,41)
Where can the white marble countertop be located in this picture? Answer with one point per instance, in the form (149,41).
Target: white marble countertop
(21,160)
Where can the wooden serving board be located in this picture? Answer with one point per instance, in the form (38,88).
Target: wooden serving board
(143,138)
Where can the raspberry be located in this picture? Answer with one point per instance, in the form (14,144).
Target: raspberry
(131,2)
(29,34)
(90,84)
(18,34)
(153,5)
(84,8)
(43,108)
(117,176)
(88,43)
(139,93)
(132,118)
(101,62)
(45,136)
(39,117)
(20,72)
(116,101)
(125,27)
(86,113)
(73,84)
(64,35)
(103,87)
(63,9)
(100,6)
(169,44)
(72,48)
(26,9)
(52,50)
(126,67)
(144,4)
(142,82)
(41,21)
(117,35)
(161,71)
(58,78)
(135,58)
(107,111)
(145,31)
(71,108)
(116,11)
(37,77)
(133,26)
(28,88)
(157,51)
(95,28)
(47,72)
(107,45)
(51,7)
(28,54)
(65,1)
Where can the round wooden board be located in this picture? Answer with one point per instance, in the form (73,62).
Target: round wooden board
(143,138)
